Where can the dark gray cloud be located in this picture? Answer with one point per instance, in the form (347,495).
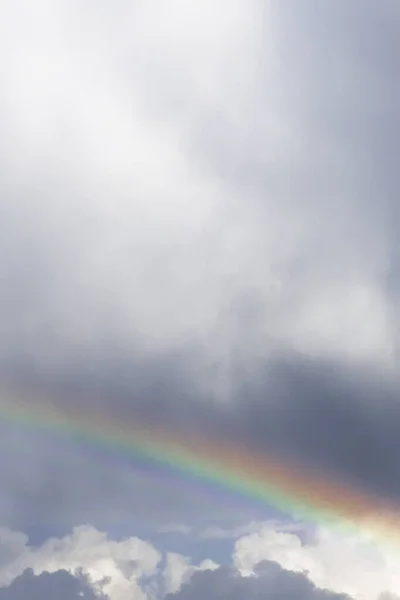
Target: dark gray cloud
(48,586)
(269,581)
(336,420)
(199,231)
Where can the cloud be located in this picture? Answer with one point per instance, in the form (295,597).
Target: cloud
(131,169)
(267,561)
(271,561)
(175,528)
(179,569)
(252,527)
(309,403)
(198,228)
(88,558)
(100,134)
(120,568)
(60,584)
(340,561)
(269,581)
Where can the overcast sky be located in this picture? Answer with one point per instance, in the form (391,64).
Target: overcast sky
(199,228)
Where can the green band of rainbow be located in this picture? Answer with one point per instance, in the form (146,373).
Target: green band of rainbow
(229,465)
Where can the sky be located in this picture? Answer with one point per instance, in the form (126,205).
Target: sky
(199,231)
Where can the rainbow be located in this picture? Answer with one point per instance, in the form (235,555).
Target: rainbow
(230,466)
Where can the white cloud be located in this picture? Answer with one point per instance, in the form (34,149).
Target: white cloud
(125,562)
(355,564)
(122,569)
(217,532)
(179,569)
(175,528)
(116,126)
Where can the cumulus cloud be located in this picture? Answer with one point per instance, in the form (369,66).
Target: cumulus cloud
(91,561)
(179,569)
(117,568)
(268,561)
(342,562)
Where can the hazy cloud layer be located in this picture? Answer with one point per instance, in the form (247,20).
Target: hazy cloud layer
(121,225)
(198,227)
